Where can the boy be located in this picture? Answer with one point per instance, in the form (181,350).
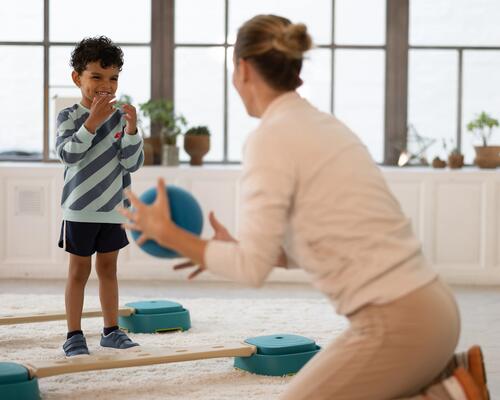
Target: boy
(99,147)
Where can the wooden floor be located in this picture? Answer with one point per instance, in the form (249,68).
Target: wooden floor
(480,307)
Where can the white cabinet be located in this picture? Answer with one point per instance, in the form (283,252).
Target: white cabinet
(456,215)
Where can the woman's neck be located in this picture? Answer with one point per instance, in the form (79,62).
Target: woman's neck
(264,96)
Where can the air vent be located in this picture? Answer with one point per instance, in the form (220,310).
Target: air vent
(29,201)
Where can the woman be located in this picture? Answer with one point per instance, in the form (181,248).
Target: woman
(306,176)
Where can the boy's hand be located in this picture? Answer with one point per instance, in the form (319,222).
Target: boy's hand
(100,110)
(130,115)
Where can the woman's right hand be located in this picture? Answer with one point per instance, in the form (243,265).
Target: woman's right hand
(220,233)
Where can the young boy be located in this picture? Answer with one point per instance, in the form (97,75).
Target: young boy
(99,147)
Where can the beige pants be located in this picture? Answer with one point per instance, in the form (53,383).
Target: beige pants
(390,351)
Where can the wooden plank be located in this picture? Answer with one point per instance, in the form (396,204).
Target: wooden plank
(26,318)
(136,357)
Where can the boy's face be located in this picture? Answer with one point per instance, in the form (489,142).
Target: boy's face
(96,81)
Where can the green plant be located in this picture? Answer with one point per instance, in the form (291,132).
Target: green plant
(162,112)
(483,126)
(198,131)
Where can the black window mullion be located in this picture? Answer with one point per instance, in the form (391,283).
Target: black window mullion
(459,99)
(332,71)
(46,142)
(396,79)
(225,156)
(162,52)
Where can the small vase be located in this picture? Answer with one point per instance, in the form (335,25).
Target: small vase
(455,161)
(438,163)
(170,156)
(487,156)
(196,146)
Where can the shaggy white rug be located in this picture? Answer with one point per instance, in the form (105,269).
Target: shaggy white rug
(213,321)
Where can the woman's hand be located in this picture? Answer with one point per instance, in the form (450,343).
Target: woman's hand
(153,221)
(220,233)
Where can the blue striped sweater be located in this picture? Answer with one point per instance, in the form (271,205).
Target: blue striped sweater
(96,167)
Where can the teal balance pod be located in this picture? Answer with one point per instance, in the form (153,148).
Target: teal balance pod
(155,316)
(15,383)
(278,355)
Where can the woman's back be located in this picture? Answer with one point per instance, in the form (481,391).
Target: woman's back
(343,224)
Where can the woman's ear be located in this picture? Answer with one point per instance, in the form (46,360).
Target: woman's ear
(244,66)
(76,78)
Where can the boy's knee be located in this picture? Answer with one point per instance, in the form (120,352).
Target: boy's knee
(106,271)
(79,274)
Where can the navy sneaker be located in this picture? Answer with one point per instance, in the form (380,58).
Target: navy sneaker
(76,345)
(117,340)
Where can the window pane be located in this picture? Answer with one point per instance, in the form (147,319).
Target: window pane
(316,74)
(134,81)
(481,83)
(135,78)
(21,98)
(199,21)
(199,93)
(21,20)
(360,22)
(455,22)
(120,20)
(240,124)
(318,18)
(62,91)
(432,99)
(359,95)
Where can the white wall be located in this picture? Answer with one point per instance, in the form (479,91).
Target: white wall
(456,214)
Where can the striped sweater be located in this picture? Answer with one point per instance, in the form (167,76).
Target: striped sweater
(97,166)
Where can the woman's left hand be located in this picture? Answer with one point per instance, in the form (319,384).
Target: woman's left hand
(220,233)
(153,221)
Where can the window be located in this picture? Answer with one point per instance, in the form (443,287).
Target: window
(21,78)
(453,70)
(371,67)
(354,58)
(35,75)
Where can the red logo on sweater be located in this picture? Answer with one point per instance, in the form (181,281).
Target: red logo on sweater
(118,135)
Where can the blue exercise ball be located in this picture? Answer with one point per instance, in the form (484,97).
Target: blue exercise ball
(185,212)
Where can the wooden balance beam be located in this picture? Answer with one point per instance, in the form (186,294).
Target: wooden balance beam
(148,316)
(274,355)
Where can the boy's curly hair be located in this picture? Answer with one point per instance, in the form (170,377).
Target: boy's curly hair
(98,48)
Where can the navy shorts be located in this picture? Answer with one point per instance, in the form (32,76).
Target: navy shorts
(86,238)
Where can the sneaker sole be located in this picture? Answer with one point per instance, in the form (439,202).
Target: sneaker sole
(468,384)
(78,356)
(478,370)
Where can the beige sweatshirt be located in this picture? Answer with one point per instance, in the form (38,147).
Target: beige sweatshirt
(308,178)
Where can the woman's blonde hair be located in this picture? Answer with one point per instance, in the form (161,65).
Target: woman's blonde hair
(276,48)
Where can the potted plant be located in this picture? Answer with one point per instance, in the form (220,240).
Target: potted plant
(482,126)
(197,143)
(161,112)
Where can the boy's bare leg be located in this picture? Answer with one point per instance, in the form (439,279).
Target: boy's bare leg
(78,274)
(108,286)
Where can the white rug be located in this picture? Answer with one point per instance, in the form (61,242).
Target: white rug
(213,321)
